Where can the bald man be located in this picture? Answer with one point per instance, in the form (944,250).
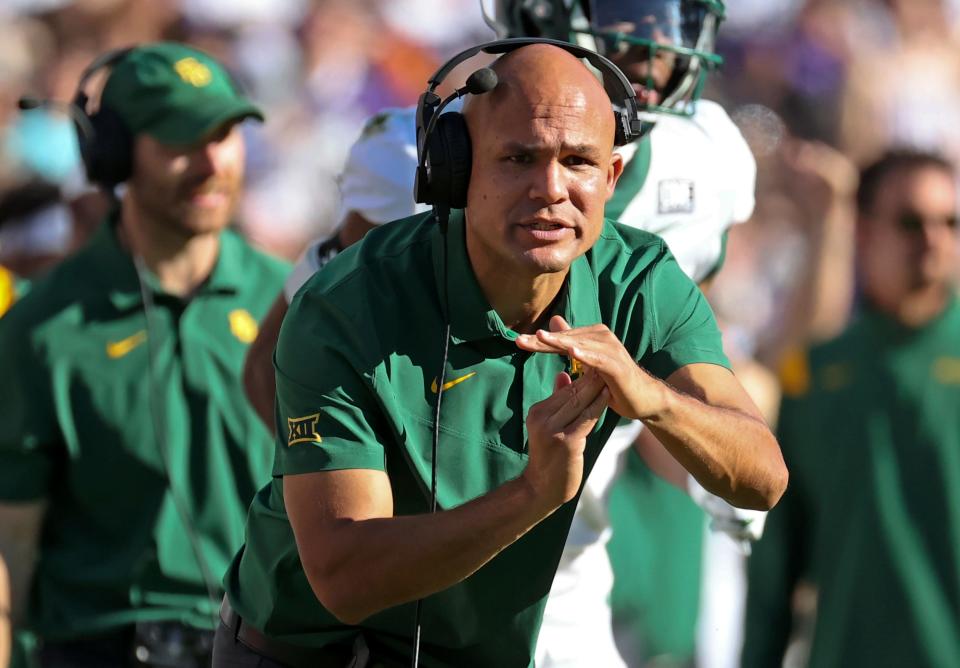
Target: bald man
(561,324)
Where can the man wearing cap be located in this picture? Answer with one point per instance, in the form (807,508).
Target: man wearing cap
(128,453)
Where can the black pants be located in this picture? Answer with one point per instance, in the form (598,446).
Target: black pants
(228,652)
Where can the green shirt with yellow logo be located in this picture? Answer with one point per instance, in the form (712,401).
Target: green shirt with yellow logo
(870,430)
(99,399)
(357,361)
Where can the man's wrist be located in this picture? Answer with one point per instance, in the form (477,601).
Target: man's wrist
(533,503)
(658,399)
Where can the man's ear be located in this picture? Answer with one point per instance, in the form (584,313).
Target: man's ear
(614,170)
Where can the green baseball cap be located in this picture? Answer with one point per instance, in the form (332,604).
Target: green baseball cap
(174,93)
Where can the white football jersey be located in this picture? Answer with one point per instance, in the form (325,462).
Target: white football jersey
(699,182)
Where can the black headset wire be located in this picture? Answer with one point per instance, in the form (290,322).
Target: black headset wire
(156,417)
(442,215)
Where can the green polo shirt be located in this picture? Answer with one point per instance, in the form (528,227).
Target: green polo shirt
(870,430)
(356,364)
(77,429)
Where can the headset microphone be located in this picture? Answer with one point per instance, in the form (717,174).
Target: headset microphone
(433,162)
(482,81)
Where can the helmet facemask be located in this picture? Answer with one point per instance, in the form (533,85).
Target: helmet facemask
(632,33)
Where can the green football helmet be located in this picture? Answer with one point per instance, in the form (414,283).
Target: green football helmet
(665,47)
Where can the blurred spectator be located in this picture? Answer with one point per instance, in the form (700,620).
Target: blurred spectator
(905,89)
(870,429)
(128,454)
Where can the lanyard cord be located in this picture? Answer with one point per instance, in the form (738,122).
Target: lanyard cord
(442,215)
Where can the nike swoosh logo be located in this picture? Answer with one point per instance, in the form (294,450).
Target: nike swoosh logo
(120,348)
(456,381)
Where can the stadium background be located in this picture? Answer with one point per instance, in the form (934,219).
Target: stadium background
(818,87)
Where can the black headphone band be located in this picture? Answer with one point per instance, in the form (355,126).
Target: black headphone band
(628,100)
(108,59)
(443,143)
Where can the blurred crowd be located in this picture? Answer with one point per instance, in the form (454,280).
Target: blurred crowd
(817,87)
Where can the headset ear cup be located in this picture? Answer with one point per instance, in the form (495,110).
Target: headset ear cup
(450,157)
(108,155)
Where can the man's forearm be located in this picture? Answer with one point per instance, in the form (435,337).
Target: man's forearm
(730,453)
(361,567)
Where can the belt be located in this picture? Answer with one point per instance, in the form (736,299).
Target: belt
(296,656)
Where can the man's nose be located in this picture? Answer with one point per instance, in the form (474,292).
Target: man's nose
(549,183)
(206,158)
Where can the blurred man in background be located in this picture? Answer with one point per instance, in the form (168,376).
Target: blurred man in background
(870,428)
(128,454)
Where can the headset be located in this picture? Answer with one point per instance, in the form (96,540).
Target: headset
(444,150)
(105,140)
(444,157)
(106,144)
(107,147)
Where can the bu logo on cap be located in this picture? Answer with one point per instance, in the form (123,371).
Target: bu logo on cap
(193,72)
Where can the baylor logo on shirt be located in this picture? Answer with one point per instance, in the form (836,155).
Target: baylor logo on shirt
(303,430)
(676,196)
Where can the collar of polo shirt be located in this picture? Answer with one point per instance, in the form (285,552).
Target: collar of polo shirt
(118,274)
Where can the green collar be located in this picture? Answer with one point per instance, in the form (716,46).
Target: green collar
(115,269)
(472,317)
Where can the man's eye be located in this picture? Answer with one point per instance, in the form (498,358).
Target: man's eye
(576,161)
(518,159)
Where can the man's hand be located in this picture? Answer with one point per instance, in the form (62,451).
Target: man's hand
(701,414)
(558,428)
(634,394)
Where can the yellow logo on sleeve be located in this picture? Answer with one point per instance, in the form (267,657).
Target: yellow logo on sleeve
(243,325)
(193,72)
(448,385)
(303,430)
(122,348)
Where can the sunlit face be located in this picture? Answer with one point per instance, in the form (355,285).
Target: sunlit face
(908,241)
(541,174)
(194,188)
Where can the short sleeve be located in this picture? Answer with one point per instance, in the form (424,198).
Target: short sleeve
(685,330)
(28,428)
(327,412)
(377,180)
